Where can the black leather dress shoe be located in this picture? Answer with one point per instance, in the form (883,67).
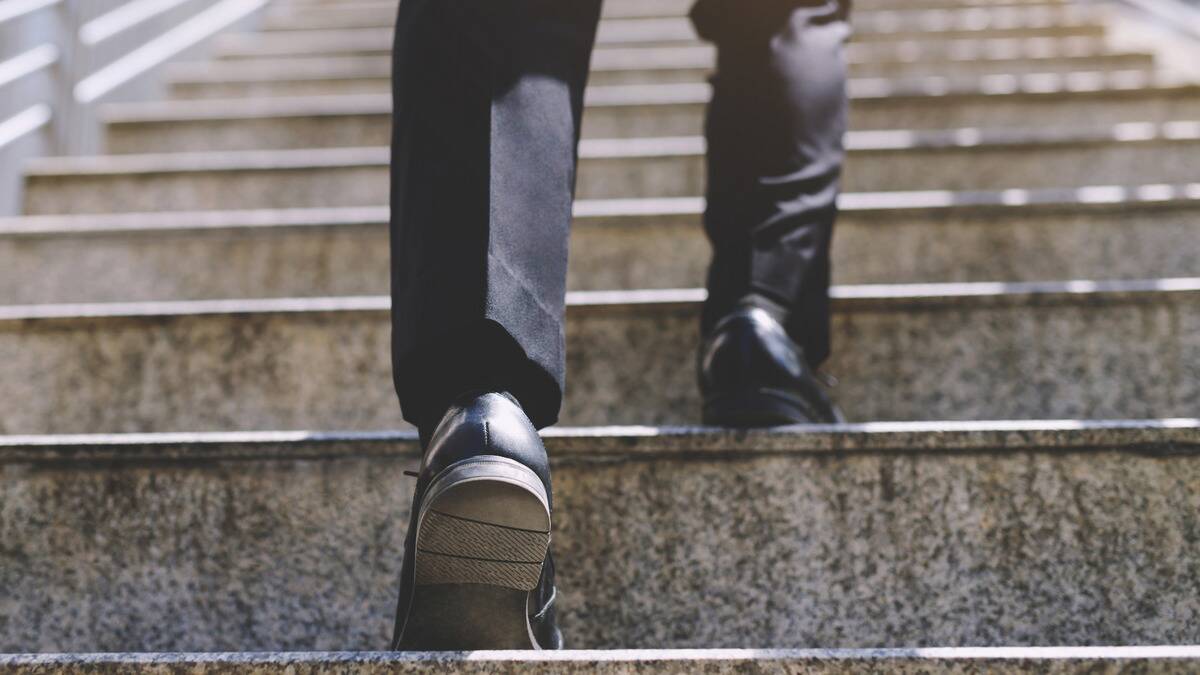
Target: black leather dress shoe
(477,572)
(753,375)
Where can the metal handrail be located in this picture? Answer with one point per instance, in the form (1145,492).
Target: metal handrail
(61,59)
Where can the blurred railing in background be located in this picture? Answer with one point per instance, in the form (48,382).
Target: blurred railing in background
(60,59)
(1182,15)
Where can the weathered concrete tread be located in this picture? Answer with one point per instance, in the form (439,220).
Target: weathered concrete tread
(1180,659)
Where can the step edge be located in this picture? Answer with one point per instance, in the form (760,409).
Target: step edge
(867,89)
(610,212)
(879,297)
(1150,437)
(628,149)
(968,654)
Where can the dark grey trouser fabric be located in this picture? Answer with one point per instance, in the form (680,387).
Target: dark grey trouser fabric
(488,98)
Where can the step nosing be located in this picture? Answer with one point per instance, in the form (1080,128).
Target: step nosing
(177,221)
(629,149)
(969,654)
(270,70)
(1074,85)
(1152,437)
(210,161)
(609,212)
(845,297)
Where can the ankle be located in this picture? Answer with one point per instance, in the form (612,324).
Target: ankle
(463,397)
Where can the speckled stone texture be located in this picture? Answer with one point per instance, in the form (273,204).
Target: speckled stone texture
(1091,54)
(310,86)
(1052,537)
(173,256)
(347,185)
(376,16)
(923,168)
(1087,355)
(196,263)
(298,179)
(1063,110)
(642,117)
(625,662)
(671,31)
(301,82)
(1057,163)
(1110,241)
(259,133)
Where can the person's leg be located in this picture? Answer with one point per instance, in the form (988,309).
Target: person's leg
(775,153)
(488,98)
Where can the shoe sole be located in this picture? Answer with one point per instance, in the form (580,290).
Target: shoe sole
(482,537)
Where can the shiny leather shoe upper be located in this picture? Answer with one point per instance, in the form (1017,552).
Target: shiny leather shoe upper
(753,374)
(484,423)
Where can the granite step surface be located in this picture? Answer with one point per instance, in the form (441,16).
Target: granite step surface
(378,41)
(928,20)
(932,236)
(617,9)
(1047,100)
(1084,349)
(952,159)
(900,661)
(339,75)
(1044,101)
(659,8)
(635,8)
(890,28)
(677,32)
(880,535)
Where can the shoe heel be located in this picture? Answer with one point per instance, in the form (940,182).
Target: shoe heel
(485,522)
(482,539)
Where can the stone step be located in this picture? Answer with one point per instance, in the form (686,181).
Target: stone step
(677,31)
(1096,233)
(281,76)
(960,159)
(1002,101)
(1122,349)
(378,42)
(673,31)
(643,8)
(813,662)
(881,535)
(383,13)
(931,661)
(1049,102)
(635,8)
(339,75)
(932,21)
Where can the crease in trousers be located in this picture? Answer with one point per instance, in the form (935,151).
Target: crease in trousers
(488,103)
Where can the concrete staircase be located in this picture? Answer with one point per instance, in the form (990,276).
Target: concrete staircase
(203,451)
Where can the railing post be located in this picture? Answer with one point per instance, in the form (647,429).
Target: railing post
(74,127)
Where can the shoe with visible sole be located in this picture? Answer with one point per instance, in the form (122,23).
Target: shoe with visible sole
(752,374)
(477,571)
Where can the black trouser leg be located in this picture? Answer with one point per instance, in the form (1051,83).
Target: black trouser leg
(488,96)
(775,152)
